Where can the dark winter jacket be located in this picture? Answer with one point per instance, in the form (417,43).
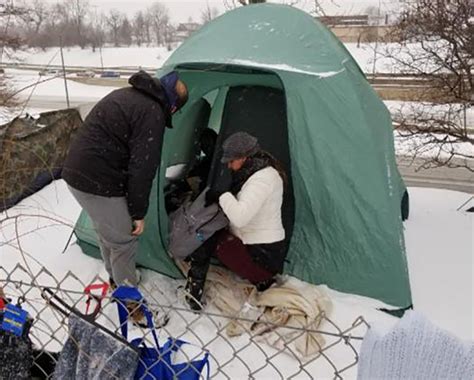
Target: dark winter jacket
(90,354)
(117,150)
(16,354)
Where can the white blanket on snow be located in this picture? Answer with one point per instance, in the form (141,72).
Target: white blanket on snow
(415,349)
(292,305)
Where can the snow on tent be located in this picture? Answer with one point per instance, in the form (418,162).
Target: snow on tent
(32,152)
(277,73)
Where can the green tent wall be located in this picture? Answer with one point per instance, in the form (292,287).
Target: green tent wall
(348,230)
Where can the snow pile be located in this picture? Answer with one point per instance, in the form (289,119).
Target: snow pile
(38,94)
(285,67)
(52,88)
(109,57)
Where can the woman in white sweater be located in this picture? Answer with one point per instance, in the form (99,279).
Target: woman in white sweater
(254,245)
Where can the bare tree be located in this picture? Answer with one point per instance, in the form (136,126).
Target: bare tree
(65,22)
(55,24)
(96,34)
(114,21)
(147,28)
(60,14)
(10,42)
(10,39)
(36,16)
(79,10)
(436,44)
(159,17)
(125,32)
(208,13)
(139,28)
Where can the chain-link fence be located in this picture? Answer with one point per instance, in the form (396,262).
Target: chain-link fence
(262,349)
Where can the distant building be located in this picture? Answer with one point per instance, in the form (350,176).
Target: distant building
(358,20)
(358,28)
(352,20)
(184,30)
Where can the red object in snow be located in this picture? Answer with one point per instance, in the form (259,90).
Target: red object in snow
(104,286)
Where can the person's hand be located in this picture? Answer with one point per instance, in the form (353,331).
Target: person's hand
(138,227)
(212,196)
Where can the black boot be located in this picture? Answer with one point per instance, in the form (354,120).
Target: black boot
(264,285)
(194,291)
(199,260)
(112,284)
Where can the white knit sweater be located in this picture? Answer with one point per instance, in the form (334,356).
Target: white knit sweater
(255,213)
(415,349)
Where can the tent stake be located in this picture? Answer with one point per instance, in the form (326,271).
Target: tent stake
(68,242)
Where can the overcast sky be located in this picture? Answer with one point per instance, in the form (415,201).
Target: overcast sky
(182,10)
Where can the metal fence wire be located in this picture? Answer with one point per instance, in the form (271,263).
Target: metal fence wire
(248,356)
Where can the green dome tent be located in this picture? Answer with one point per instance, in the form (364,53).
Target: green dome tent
(277,73)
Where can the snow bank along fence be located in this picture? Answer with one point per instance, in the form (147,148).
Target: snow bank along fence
(246,356)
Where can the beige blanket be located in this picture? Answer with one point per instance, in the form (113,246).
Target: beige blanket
(281,315)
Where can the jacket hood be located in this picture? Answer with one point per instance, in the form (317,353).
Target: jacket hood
(152,87)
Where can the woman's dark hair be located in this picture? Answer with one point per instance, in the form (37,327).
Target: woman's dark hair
(255,162)
(276,164)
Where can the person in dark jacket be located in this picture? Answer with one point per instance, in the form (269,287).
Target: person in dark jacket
(113,160)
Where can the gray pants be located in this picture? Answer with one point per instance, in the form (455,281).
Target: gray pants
(113,225)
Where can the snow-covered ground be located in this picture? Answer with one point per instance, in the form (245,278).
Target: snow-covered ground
(108,57)
(439,243)
(52,88)
(366,54)
(433,144)
(427,146)
(440,246)
(154,57)
(436,111)
(38,94)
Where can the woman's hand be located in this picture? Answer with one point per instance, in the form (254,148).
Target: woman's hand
(138,227)
(212,196)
